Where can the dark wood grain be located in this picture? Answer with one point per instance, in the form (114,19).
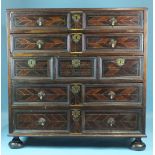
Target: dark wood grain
(108,92)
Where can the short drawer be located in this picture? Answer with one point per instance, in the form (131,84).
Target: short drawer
(39,42)
(111,94)
(32,67)
(116,67)
(116,121)
(54,120)
(41,93)
(75,68)
(114,42)
(38,20)
(114,19)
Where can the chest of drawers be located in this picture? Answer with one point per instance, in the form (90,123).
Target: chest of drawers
(77,72)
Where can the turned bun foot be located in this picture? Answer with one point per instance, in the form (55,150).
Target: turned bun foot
(16,143)
(138,145)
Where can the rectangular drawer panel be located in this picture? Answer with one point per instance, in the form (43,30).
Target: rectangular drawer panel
(41,93)
(114,19)
(32,67)
(37,20)
(113,93)
(75,68)
(39,42)
(114,42)
(121,67)
(112,121)
(42,120)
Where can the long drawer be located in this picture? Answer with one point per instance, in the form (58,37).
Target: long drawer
(45,20)
(78,121)
(77,42)
(126,94)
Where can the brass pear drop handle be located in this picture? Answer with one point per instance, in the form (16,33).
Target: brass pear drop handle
(113,43)
(41,121)
(40,21)
(76,115)
(111,121)
(113,21)
(40,44)
(111,95)
(41,94)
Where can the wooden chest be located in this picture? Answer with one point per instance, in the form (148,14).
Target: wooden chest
(77,72)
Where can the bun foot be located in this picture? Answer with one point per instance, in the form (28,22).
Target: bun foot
(16,143)
(138,145)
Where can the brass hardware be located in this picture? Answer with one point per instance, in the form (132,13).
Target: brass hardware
(41,121)
(76,37)
(76,17)
(31,63)
(76,63)
(41,94)
(75,89)
(76,53)
(113,21)
(111,121)
(76,114)
(113,43)
(39,44)
(112,95)
(120,61)
(40,21)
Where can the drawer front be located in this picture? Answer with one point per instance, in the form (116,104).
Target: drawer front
(38,21)
(114,42)
(112,121)
(114,19)
(42,120)
(37,93)
(32,67)
(39,42)
(121,67)
(110,94)
(75,68)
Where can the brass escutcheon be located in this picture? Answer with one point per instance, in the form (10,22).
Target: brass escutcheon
(76,37)
(111,94)
(75,89)
(41,94)
(120,61)
(76,17)
(41,121)
(31,63)
(76,114)
(76,63)
(111,121)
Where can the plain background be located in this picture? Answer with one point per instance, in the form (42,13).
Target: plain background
(74,146)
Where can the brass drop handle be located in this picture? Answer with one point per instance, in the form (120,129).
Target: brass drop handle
(113,43)
(76,114)
(111,121)
(76,63)
(113,21)
(39,44)
(111,95)
(41,94)
(75,89)
(40,21)
(76,17)
(41,121)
